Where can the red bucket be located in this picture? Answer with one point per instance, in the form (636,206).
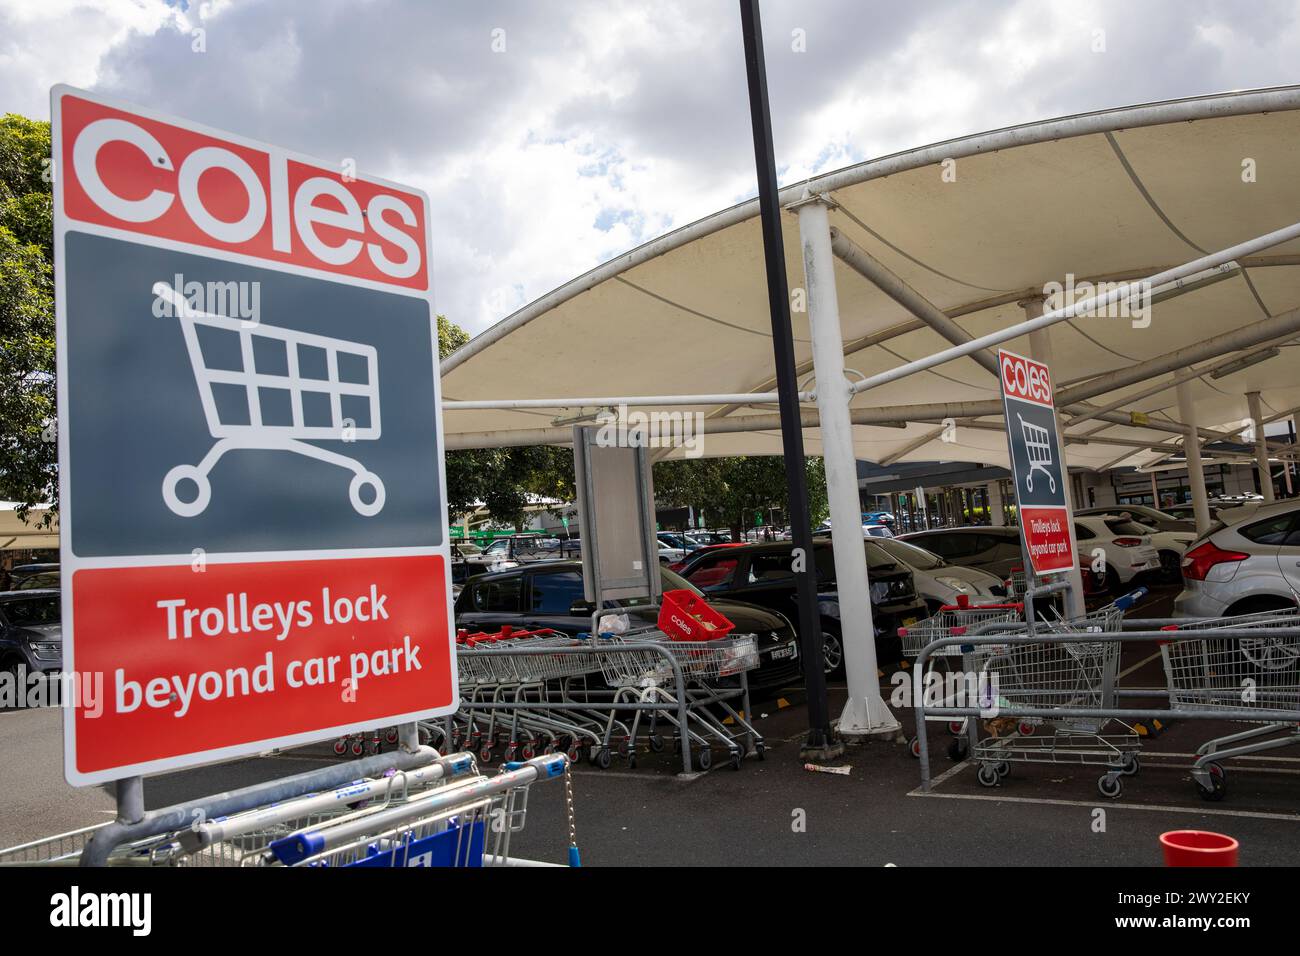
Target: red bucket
(1198,848)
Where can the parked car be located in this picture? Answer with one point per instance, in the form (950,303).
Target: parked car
(995,550)
(678,565)
(1216,506)
(1125,547)
(31,636)
(24,577)
(763,574)
(1145,514)
(517,548)
(1248,566)
(877,517)
(550,594)
(938,582)
(868,531)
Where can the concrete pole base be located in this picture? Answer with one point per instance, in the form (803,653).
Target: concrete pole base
(821,753)
(866,717)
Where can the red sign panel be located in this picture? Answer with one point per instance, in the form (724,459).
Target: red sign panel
(231,654)
(156,178)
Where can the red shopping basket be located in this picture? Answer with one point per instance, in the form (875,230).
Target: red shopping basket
(685,616)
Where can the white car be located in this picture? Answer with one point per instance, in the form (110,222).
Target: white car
(1122,546)
(939,582)
(1170,547)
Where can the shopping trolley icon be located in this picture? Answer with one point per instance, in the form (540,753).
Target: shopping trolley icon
(1039,451)
(256,434)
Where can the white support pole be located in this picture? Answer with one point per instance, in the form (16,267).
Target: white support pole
(997,511)
(1261,447)
(1195,471)
(1040,348)
(864,711)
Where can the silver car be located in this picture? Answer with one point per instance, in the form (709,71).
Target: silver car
(939,582)
(1251,564)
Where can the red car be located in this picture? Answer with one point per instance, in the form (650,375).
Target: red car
(678,565)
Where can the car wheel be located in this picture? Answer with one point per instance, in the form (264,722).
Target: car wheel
(1171,570)
(832,652)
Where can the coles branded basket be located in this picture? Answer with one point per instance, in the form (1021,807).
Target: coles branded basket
(685,616)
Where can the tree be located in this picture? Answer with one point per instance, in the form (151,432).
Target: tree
(28,452)
(731,492)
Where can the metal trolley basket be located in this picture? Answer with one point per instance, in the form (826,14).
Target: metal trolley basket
(1206,669)
(1063,671)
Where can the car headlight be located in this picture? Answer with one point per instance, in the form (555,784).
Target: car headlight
(957,584)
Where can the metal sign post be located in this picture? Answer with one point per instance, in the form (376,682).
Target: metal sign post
(820,740)
(254,530)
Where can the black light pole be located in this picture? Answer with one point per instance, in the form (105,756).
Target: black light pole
(820,735)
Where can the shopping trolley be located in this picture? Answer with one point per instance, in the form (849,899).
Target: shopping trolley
(257,434)
(442,814)
(1209,671)
(1065,671)
(1039,449)
(953,620)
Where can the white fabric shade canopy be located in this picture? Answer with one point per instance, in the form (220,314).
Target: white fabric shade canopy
(1115,195)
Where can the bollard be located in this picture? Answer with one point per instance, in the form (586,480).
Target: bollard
(1198,848)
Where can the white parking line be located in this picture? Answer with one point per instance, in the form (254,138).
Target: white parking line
(1092,804)
(1139,664)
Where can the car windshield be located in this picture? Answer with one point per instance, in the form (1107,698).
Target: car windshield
(1120,526)
(670,581)
(32,612)
(910,554)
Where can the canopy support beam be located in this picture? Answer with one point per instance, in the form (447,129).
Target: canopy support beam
(1195,470)
(864,712)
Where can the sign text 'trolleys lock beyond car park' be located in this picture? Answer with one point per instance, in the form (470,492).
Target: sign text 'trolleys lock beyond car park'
(254,522)
(1036,467)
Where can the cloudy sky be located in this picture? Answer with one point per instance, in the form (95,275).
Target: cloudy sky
(555,134)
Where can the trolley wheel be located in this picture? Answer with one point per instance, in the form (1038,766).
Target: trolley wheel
(340,747)
(1026,729)
(527,753)
(1131,765)
(956,728)
(631,761)
(656,743)
(509,755)
(603,758)
(1218,788)
(357,748)
(485,755)
(760,750)
(958,749)
(914,747)
(359,481)
(988,775)
(574,754)
(1110,786)
(704,759)
(624,748)
(203,490)
(736,758)
(391,736)
(1002,769)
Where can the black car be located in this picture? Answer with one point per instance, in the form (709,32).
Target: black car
(995,550)
(762,574)
(31,638)
(550,594)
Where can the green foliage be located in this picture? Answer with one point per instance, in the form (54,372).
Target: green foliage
(730,491)
(28,453)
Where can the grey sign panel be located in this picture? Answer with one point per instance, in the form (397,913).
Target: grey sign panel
(123,357)
(1031,431)
(620,551)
